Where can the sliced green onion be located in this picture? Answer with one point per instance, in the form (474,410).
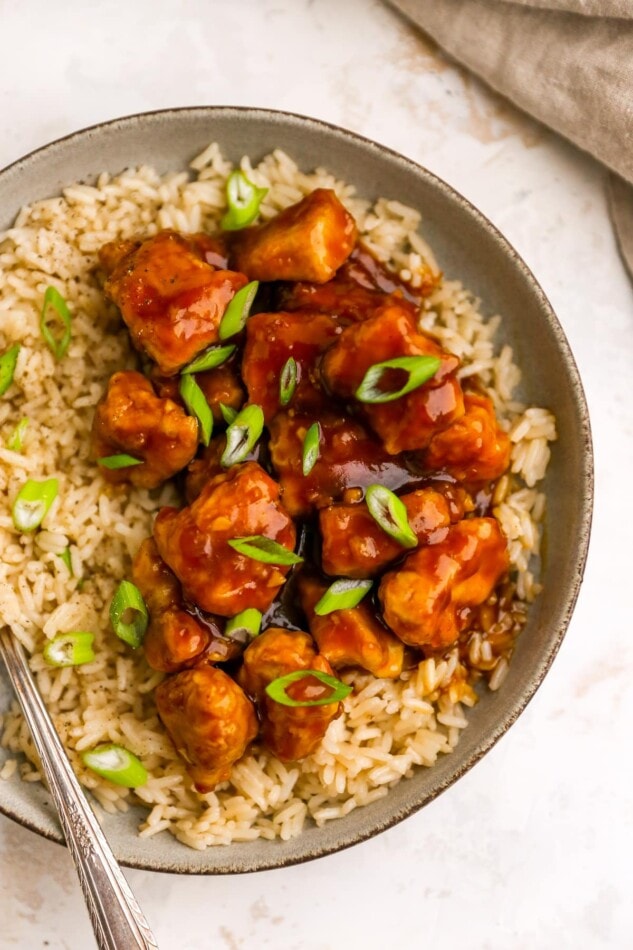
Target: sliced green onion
(118,461)
(288,381)
(7,367)
(66,558)
(214,356)
(311,448)
(70,649)
(53,301)
(259,548)
(419,368)
(128,614)
(242,434)
(243,199)
(33,502)
(342,595)
(236,314)
(117,764)
(16,439)
(198,406)
(390,513)
(244,626)
(277,690)
(228,413)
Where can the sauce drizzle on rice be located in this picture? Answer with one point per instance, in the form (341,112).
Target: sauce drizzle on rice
(388,726)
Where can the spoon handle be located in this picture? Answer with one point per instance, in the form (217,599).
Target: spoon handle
(117,920)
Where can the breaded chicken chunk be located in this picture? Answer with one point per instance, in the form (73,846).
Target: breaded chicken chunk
(132,420)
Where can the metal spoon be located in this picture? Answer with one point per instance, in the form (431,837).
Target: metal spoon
(117,920)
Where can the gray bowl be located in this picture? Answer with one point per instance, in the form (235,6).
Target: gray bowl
(468,247)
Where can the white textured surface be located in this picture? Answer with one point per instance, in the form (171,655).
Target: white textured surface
(533,848)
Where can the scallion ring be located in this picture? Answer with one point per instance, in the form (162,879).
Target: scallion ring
(288,381)
(117,764)
(228,413)
(245,626)
(278,688)
(390,513)
(16,439)
(342,594)
(214,356)
(236,314)
(33,502)
(128,614)
(53,301)
(118,461)
(195,401)
(70,649)
(259,548)
(242,434)
(419,369)
(7,367)
(243,199)
(311,448)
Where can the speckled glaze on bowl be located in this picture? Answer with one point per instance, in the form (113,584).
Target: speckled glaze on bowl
(469,247)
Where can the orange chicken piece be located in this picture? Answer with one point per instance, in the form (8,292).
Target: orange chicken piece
(307,241)
(354,545)
(425,601)
(353,637)
(171,299)
(407,423)
(130,419)
(474,448)
(210,721)
(242,502)
(290,732)
(349,458)
(175,638)
(271,338)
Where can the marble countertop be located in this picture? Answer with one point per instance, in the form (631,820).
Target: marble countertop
(532,849)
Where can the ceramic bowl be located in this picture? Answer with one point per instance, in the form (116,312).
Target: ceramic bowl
(468,246)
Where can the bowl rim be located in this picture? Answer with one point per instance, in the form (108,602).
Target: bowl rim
(586,482)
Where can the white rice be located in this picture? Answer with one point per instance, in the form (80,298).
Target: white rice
(388,728)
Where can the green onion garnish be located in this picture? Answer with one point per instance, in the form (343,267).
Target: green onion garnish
(419,368)
(198,406)
(236,314)
(342,595)
(288,381)
(117,764)
(16,439)
(70,649)
(118,461)
(242,434)
(53,301)
(128,614)
(66,558)
(33,502)
(7,367)
(311,448)
(244,626)
(390,513)
(228,413)
(277,690)
(214,356)
(243,199)
(259,548)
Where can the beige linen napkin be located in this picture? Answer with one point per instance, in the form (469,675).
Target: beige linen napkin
(569,63)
